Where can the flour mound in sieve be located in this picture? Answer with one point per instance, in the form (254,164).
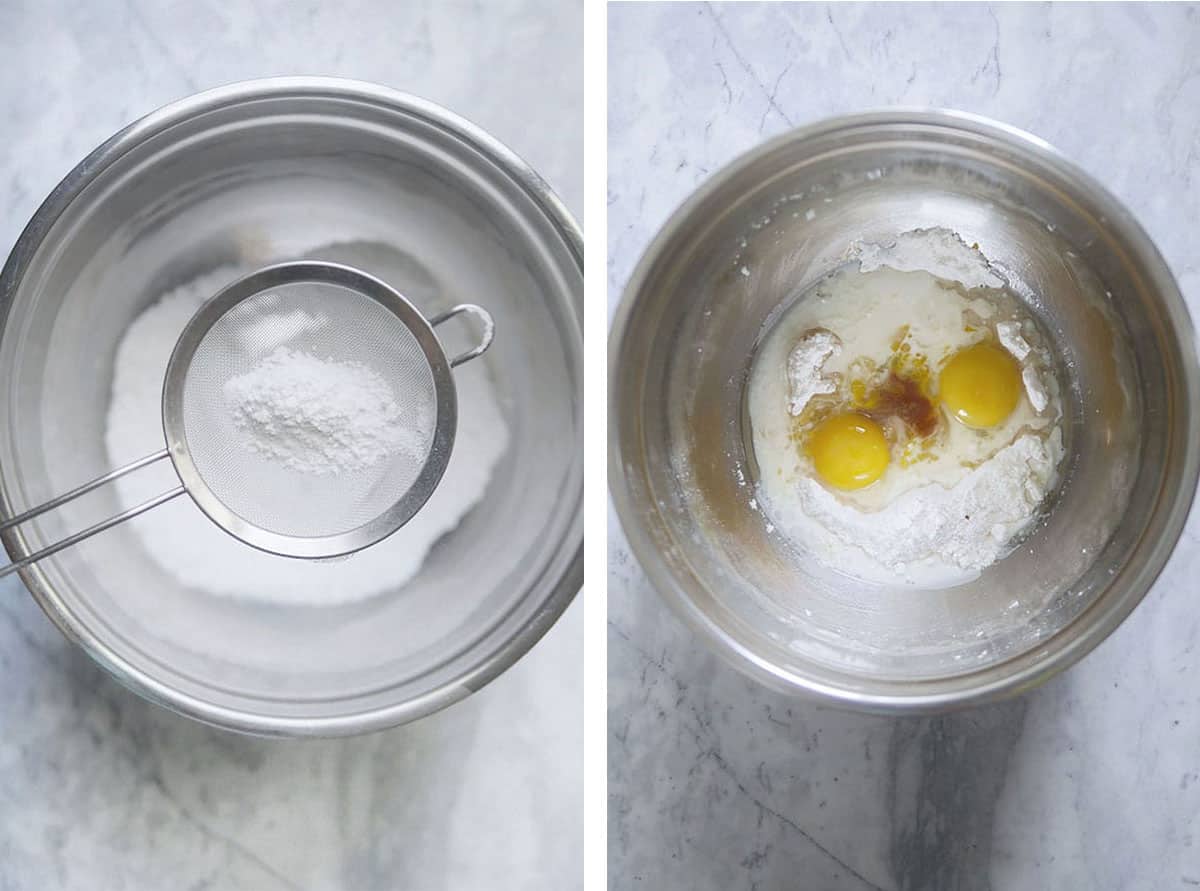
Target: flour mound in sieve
(189,547)
(321,417)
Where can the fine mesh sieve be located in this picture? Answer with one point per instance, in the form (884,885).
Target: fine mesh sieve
(328,324)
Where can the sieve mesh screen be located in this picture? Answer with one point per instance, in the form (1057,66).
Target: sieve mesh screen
(363,466)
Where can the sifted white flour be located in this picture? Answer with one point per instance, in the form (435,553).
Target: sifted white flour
(180,539)
(937,251)
(804,364)
(930,532)
(322,417)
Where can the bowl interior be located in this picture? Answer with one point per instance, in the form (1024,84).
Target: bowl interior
(761,235)
(242,184)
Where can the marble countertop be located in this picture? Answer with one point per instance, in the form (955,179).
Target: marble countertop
(100,789)
(1092,781)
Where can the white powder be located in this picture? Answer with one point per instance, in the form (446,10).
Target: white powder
(189,547)
(320,416)
(937,251)
(1034,388)
(804,365)
(1009,334)
(968,526)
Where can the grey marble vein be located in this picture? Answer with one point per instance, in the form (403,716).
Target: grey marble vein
(99,789)
(1092,781)
(945,776)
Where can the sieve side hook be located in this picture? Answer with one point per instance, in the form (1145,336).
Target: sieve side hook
(91,530)
(485,341)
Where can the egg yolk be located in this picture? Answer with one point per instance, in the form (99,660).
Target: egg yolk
(980,385)
(849,451)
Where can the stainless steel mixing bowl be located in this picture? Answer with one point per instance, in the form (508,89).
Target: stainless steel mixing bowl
(758,234)
(249,175)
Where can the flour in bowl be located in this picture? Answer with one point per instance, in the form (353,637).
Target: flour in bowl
(188,546)
(906,425)
(932,535)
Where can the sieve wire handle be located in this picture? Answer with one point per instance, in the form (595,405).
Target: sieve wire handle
(98,527)
(485,341)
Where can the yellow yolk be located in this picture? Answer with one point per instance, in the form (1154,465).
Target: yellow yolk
(980,385)
(849,451)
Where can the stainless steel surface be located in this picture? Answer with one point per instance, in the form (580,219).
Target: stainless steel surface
(249,175)
(82,490)
(95,528)
(759,233)
(85,534)
(485,339)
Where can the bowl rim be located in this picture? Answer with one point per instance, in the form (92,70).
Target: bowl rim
(1024,670)
(558,595)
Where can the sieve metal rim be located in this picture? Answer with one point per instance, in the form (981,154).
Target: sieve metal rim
(445,404)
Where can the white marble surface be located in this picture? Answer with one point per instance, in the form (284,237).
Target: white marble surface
(99,789)
(1092,781)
